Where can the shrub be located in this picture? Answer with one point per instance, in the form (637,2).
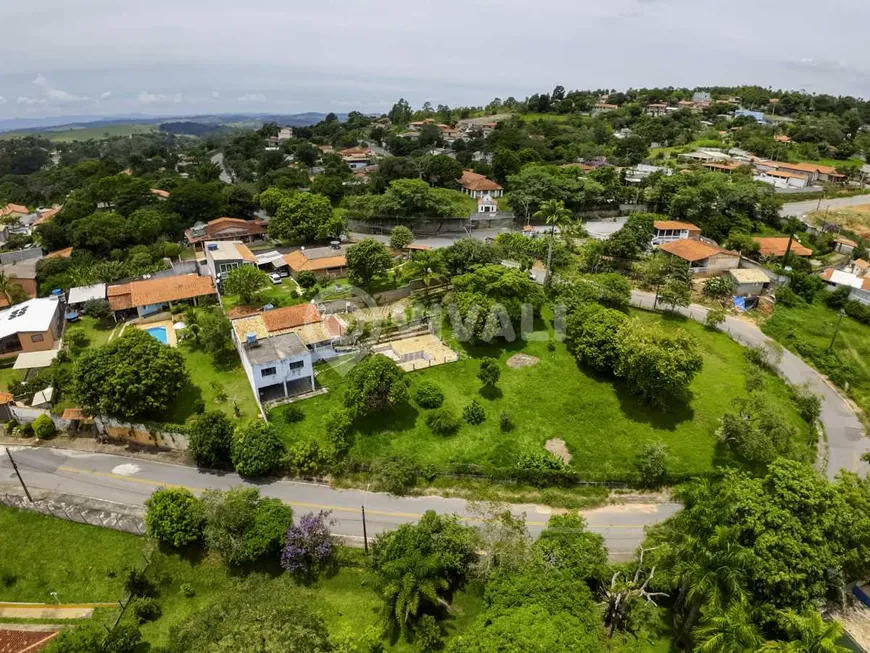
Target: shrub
(401,237)
(540,461)
(394,474)
(306,279)
(338,427)
(306,458)
(651,464)
(428,395)
(443,421)
(27,430)
(308,545)
(146,609)
(505,422)
(473,413)
(174,516)
(256,449)
(428,634)
(293,413)
(210,440)
(787,297)
(809,405)
(187,590)
(838,298)
(137,584)
(43,427)
(715,317)
(11,425)
(719,287)
(489,372)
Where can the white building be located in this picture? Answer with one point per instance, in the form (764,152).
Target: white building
(641,171)
(487,204)
(277,367)
(223,256)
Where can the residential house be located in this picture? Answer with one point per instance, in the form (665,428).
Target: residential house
(44,215)
(305,320)
(758,116)
(813,172)
(844,245)
(702,257)
(487,204)
(667,231)
(66,252)
(860,285)
(778,246)
(326,262)
(706,156)
(225,228)
(417,125)
(604,107)
(781,138)
(153,295)
(23,273)
(700,97)
(859,266)
(13,212)
(477,185)
(277,367)
(749,281)
(81,295)
(224,256)
(726,168)
(356,157)
(657,109)
(781,179)
(34,325)
(641,171)
(285,133)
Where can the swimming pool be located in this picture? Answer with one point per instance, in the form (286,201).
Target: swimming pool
(158,333)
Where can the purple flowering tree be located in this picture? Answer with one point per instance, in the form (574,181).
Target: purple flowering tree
(308,545)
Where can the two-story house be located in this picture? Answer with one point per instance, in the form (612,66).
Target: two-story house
(223,256)
(667,231)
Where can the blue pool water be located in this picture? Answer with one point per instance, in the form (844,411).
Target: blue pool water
(158,333)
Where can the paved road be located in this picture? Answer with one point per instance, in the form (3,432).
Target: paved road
(846,438)
(439,241)
(132,480)
(797,209)
(225,176)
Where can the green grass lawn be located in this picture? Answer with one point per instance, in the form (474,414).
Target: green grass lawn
(83,564)
(204,372)
(7,374)
(548,117)
(807,330)
(96,333)
(279,295)
(602,423)
(69,134)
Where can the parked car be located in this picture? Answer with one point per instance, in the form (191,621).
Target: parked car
(276,279)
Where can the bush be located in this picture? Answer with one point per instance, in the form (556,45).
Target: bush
(256,449)
(787,297)
(43,427)
(137,584)
(428,634)
(401,237)
(428,395)
(338,427)
(489,372)
(11,425)
(146,609)
(376,384)
(306,458)
(505,422)
(651,464)
(210,440)
(540,461)
(187,590)
(443,421)
(174,516)
(715,317)
(307,279)
(27,430)
(809,405)
(394,474)
(837,299)
(293,413)
(473,413)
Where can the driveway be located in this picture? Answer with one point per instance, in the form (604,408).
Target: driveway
(845,433)
(132,480)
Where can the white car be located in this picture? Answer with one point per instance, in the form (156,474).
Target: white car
(276,279)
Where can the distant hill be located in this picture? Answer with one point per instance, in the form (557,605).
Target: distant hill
(39,125)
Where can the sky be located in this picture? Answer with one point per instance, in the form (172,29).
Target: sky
(188,57)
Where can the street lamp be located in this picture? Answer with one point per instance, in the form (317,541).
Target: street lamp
(836,330)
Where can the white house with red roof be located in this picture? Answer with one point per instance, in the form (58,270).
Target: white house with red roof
(477,186)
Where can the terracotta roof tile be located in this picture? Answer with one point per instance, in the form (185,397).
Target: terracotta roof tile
(160,193)
(290,317)
(470,180)
(690,250)
(10,208)
(777,247)
(159,291)
(675,224)
(298,262)
(60,253)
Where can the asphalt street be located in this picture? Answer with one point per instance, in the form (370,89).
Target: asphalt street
(797,209)
(131,481)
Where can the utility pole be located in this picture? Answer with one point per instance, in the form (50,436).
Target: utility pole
(787,249)
(365,535)
(836,331)
(18,474)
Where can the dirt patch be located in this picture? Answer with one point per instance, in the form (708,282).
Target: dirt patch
(558,448)
(522,360)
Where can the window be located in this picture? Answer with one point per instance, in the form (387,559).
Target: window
(227,267)
(297,365)
(268,371)
(37,338)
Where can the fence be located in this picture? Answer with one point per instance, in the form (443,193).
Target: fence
(83,510)
(141,434)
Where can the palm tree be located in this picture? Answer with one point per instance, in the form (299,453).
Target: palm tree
(426,265)
(808,633)
(408,583)
(554,213)
(727,631)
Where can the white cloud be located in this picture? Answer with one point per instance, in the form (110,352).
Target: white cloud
(215,95)
(159,98)
(29,100)
(252,97)
(56,95)
(106,96)
(2,100)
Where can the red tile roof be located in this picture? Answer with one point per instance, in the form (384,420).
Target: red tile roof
(470,180)
(298,262)
(160,193)
(777,247)
(290,317)
(25,641)
(691,250)
(10,208)
(159,291)
(675,224)
(226,228)
(60,253)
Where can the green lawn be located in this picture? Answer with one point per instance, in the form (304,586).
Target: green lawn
(601,422)
(88,564)
(807,330)
(83,564)
(203,373)
(7,374)
(548,117)
(279,295)
(96,333)
(69,134)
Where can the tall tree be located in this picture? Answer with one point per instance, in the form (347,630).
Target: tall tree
(554,213)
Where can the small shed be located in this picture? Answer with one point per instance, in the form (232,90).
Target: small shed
(80,295)
(42,399)
(749,281)
(33,360)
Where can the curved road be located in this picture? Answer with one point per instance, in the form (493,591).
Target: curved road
(132,480)
(845,433)
(797,209)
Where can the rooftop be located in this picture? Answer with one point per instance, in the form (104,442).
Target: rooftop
(159,291)
(320,258)
(32,316)
(675,224)
(777,247)
(86,293)
(229,250)
(749,275)
(690,250)
(224,228)
(275,348)
(471,180)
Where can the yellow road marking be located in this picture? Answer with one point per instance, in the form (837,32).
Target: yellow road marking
(304,504)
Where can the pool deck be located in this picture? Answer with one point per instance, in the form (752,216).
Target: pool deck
(171,340)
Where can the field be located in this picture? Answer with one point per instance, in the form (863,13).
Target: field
(602,424)
(853,218)
(548,117)
(88,564)
(807,330)
(81,133)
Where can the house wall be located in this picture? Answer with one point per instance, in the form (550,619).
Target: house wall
(322,352)
(749,289)
(28,344)
(29,285)
(284,373)
(723,262)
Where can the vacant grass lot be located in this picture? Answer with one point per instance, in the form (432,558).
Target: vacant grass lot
(603,425)
(88,564)
(807,331)
(69,134)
